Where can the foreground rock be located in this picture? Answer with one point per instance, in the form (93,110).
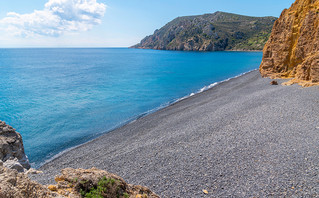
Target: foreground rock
(292,50)
(18,185)
(11,149)
(74,183)
(96,183)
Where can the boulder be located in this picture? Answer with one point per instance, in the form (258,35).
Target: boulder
(12,153)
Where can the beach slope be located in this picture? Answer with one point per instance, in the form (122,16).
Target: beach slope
(241,138)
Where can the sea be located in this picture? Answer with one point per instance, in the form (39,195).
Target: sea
(58,98)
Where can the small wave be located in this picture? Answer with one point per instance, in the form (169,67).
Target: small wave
(205,88)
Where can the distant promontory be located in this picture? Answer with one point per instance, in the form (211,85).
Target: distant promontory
(219,31)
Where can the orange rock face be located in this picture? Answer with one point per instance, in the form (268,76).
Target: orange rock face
(292,50)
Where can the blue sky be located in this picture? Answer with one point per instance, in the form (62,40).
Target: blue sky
(107,23)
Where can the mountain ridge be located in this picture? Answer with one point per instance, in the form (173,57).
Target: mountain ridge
(219,31)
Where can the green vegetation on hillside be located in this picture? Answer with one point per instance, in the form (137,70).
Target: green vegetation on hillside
(211,32)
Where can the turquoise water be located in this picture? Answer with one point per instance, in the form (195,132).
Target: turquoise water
(60,98)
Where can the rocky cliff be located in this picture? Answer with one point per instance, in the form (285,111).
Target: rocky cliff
(292,50)
(211,32)
(11,149)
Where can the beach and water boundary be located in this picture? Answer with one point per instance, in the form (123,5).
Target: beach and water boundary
(242,137)
(131,120)
(91,91)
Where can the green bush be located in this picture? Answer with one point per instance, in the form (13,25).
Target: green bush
(104,186)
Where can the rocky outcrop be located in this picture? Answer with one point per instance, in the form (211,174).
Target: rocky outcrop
(11,149)
(292,50)
(75,183)
(18,185)
(85,182)
(211,32)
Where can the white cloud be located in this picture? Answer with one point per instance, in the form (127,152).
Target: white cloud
(57,18)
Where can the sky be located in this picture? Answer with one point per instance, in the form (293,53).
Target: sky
(107,23)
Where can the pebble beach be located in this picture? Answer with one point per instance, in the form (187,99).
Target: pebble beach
(241,138)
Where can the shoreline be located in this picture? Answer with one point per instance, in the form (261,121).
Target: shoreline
(133,119)
(194,50)
(243,137)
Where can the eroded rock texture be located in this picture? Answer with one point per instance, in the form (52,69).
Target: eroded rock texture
(17,185)
(292,50)
(95,182)
(73,183)
(11,149)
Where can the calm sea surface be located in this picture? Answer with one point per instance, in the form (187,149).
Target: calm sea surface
(60,98)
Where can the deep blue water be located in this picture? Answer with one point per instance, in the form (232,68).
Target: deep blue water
(59,98)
